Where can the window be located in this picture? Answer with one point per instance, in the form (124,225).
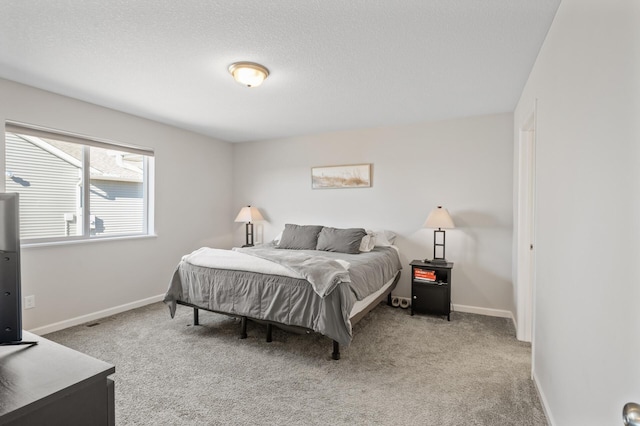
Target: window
(73,188)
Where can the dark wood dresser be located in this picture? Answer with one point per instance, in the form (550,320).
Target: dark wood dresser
(50,384)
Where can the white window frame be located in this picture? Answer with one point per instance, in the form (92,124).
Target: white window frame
(87,141)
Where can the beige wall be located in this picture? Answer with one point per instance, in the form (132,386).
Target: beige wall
(587,85)
(464,165)
(192,198)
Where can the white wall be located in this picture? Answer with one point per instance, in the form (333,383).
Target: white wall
(587,322)
(193,208)
(464,165)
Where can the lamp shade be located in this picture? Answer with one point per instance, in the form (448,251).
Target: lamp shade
(439,218)
(249,214)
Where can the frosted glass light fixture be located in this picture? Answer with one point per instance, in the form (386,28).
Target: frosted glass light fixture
(248,74)
(249,214)
(441,219)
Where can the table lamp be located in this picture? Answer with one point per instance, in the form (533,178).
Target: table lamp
(249,214)
(441,219)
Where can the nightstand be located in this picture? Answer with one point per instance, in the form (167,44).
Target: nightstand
(431,288)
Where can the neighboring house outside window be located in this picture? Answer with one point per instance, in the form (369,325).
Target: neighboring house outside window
(46,169)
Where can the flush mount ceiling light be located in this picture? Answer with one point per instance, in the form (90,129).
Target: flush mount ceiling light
(248,74)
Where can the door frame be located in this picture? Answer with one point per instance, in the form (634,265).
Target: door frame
(525,243)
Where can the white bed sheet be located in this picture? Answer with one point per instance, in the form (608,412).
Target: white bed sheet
(361,304)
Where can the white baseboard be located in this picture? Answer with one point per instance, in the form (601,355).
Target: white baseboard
(95,315)
(543,400)
(484,311)
(501,313)
(128,306)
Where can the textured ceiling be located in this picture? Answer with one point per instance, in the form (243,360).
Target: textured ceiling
(335,64)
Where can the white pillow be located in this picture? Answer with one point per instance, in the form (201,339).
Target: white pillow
(368,242)
(278,237)
(384,238)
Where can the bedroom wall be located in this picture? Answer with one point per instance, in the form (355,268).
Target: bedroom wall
(587,84)
(464,165)
(193,208)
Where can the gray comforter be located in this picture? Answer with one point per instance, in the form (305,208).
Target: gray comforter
(322,272)
(286,300)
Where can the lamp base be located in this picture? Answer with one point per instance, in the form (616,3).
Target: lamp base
(436,261)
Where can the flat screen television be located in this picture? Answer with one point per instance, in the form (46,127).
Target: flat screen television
(10,287)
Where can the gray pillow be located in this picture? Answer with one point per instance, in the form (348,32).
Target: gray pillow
(299,237)
(341,240)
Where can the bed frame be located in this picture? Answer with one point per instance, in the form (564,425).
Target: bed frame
(336,346)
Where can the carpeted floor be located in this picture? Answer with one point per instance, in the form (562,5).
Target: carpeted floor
(399,370)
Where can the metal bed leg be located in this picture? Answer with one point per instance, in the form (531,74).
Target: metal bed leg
(269,332)
(336,351)
(243,333)
(196,318)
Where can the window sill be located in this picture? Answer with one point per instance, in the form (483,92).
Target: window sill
(86,241)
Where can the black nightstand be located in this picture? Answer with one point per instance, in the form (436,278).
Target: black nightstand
(431,288)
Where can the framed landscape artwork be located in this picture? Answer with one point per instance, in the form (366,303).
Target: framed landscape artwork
(350,176)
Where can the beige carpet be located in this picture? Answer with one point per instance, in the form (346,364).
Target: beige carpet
(399,370)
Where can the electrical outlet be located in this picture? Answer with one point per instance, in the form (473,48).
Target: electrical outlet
(29,302)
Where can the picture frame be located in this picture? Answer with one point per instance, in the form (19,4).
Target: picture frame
(343,176)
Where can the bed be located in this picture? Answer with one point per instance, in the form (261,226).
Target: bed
(315,283)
